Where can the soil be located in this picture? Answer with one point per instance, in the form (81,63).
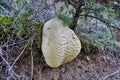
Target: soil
(95,67)
(99,66)
(102,65)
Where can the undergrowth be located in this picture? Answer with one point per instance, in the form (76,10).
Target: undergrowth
(101,37)
(20,37)
(21,33)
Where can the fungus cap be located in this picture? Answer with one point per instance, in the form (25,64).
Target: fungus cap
(59,43)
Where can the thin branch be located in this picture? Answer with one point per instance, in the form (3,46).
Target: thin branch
(8,65)
(15,43)
(5,10)
(54,7)
(3,57)
(31,59)
(31,65)
(19,56)
(100,20)
(116,72)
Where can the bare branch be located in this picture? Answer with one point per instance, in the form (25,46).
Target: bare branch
(31,65)
(101,20)
(5,10)
(116,72)
(8,65)
(6,45)
(3,57)
(19,56)
(31,58)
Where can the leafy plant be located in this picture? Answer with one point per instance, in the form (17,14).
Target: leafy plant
(23,27)
(65,16)
(5,29)
(84,11)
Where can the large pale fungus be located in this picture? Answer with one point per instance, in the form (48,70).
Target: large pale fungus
(59,43)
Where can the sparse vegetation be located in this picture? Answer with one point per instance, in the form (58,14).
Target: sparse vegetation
(20,33)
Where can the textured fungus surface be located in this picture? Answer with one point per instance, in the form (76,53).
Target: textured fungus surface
(59,43)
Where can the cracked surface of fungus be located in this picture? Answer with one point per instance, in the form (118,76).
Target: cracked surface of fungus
(59,43)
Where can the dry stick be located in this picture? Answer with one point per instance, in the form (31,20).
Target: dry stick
(12,72)
(31,60)
(5,10)
(3,57)
(19,56)
(115,26)
(117,71)
(54,8)
(15,43)
(31,65)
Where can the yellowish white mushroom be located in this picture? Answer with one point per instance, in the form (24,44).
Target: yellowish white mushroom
(59,43)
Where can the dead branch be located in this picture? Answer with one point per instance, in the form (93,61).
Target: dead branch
(32,65)
(19,56)
(11,72)
(5,10)
(113,26)
(1,55)
(5,45)
(116,72)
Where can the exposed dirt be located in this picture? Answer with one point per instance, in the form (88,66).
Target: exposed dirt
(96,67)
(102,65)
(99,66)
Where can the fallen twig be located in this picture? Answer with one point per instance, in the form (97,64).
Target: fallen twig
(116,72)
(31,59)
(18,56)
(31,65)
(8,65)
(113,26)
(8,12)
(1,55)
(5,45)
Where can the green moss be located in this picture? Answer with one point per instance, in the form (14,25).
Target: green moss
(21,27)
(6,21)
(5,27)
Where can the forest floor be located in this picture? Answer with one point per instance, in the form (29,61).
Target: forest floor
(96,67)
(101,65)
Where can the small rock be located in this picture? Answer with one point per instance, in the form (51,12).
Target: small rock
(63,70)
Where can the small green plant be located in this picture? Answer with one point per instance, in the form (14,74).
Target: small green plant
(67,20)
(5,29)
(65,16)
(84,12)
(23,27)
